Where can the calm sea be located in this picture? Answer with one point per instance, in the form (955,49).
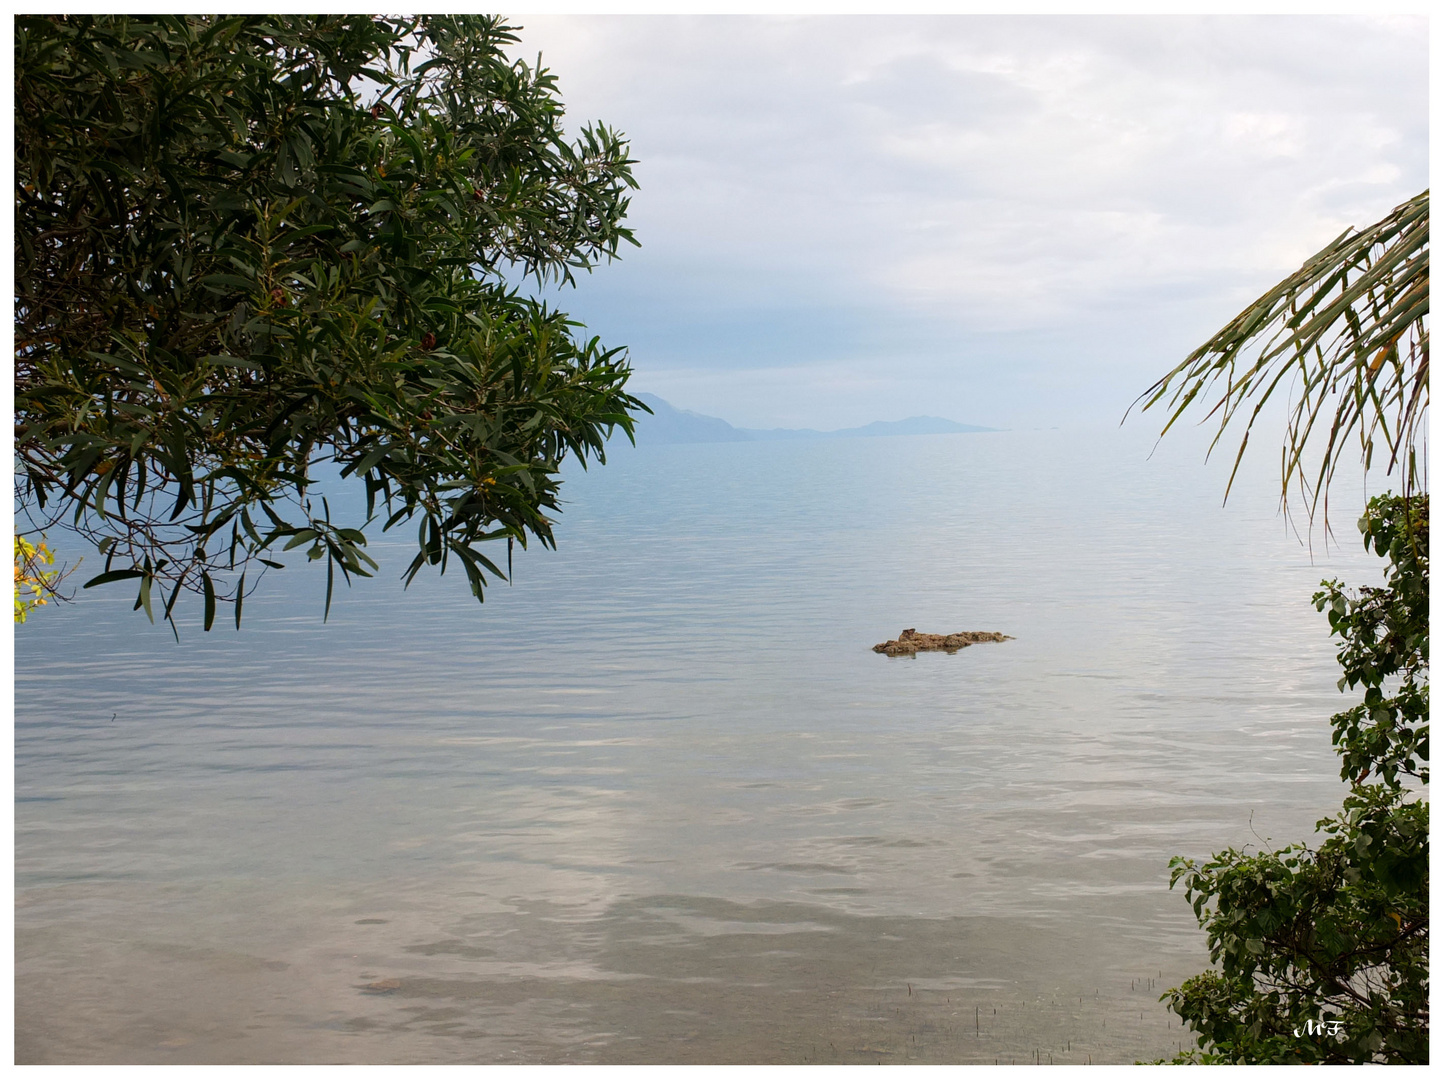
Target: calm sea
(658,801)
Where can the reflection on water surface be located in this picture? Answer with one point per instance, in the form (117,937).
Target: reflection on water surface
(659,801)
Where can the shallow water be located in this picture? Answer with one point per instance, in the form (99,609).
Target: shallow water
(659,802)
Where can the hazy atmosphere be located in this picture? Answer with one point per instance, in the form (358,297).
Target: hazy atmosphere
(851,686)
(1013,222)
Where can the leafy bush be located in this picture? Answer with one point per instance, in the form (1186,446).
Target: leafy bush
(1322,954)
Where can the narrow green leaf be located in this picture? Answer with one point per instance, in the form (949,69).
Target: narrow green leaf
(112,575)
(210,598)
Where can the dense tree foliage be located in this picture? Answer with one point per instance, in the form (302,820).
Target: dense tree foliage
(1322,953)
(251,248)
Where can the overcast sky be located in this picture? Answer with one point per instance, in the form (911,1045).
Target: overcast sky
(1006,221)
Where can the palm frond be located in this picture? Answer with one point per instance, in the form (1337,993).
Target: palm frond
(1347,337)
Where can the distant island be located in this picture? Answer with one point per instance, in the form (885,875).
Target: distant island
(668,424)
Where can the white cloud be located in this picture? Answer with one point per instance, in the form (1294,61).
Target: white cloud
(824,192)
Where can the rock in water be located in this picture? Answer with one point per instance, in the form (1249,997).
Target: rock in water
(910,642)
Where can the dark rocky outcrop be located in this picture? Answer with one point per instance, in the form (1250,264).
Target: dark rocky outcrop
(910,642)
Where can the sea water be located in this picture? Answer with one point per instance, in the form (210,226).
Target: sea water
(659,801)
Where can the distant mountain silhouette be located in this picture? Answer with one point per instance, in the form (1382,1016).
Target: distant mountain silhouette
(669,424)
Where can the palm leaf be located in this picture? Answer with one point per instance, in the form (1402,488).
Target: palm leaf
(1347,336)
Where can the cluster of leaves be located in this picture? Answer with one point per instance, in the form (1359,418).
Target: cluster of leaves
(1347,336)
(249,246)
(1337,935)
(1386,642)
(35,586)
